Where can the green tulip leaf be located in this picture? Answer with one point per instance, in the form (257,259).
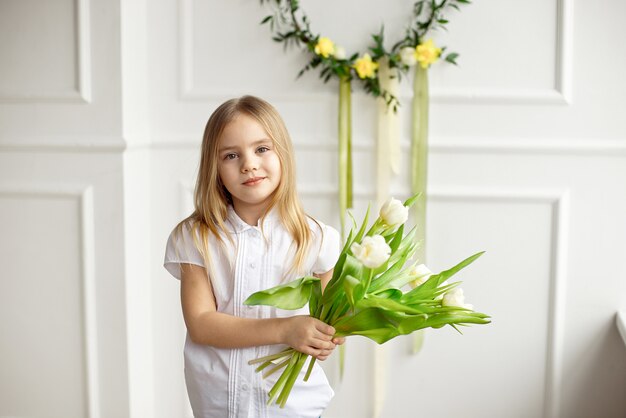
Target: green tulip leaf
(361,233)
(292,295)
(316,296)
(353,288)
(349,266)
(397,239)
(411,200)
(385,304)
(390,293)
(384,280)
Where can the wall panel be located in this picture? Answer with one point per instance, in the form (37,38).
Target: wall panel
(53,284)
(45,50)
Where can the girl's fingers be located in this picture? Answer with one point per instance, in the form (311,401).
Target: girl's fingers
(322,344)
(325,328)
(318,350)
(323,354)
(323,335)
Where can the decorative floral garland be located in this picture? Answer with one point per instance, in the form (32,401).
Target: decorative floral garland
(291,26)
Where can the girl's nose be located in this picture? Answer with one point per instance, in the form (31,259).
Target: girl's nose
(249,164)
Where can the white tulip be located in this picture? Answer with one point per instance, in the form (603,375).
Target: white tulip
(455,297)
(420,274)
(340,53)
(372,252)
(394,213)
(407,56)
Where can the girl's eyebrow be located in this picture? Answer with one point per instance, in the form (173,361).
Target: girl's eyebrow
(255,143)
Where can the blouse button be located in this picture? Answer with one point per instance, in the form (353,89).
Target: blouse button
(252,265)
(245,387)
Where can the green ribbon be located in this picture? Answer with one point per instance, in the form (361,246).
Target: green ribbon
(345,171)
(419,154)
(345,150)
(419,169)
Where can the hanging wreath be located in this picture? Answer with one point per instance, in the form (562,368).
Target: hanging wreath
(291,26)
(379,71)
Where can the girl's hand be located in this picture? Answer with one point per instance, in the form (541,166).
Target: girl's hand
(309,336)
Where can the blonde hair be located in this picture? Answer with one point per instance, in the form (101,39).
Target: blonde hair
(211,199)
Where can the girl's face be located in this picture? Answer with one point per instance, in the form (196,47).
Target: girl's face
(248,164)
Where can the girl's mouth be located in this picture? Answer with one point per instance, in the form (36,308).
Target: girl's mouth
(253,181)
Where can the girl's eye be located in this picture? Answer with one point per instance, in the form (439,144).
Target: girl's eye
(230,156)
(263,149)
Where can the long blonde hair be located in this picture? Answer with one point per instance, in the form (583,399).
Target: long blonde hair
(211,199)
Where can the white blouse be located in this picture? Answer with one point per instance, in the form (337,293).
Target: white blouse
(220,383)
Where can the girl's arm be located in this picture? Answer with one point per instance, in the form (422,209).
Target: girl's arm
(209,327)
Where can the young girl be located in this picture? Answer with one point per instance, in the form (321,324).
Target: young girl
(248,233)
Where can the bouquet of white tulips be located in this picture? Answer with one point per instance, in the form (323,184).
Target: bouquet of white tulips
(365,296)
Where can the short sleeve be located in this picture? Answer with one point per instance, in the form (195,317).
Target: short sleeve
(181,249)
(329,250)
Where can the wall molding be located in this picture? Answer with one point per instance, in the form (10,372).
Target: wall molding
(84,198)
(82,47)
(457,145)
(478,145)
(558,201)
(560,94)
(69,143)
(567,146)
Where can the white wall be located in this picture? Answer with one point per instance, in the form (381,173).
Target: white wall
(102,108)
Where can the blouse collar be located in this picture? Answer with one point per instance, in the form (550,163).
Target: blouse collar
(238,225)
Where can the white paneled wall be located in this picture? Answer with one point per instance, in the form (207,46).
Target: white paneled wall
(102,109)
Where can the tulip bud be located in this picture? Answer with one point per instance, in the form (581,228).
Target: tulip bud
(420,274)
(394,213)
(456,298)
(372,252)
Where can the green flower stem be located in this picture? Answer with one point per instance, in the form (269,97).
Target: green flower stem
(345,150)
(293,375)
(275,356)
(280,383)
(310,369)
(376,228)
(276,368)
(263,366)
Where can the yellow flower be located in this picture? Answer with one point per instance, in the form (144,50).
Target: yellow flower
(427,53)
(365,67)
(325,47)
